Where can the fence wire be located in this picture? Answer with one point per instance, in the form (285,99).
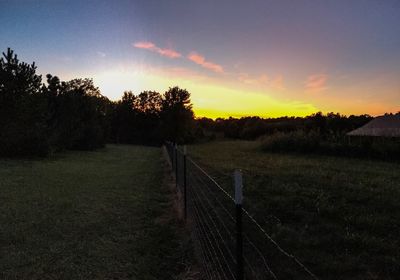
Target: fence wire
(211,214)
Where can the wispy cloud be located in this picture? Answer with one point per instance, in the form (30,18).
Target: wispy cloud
(144,45)
(245,78)
(200,60)
(101,54)
(316,83)
(276,82)
(152,47)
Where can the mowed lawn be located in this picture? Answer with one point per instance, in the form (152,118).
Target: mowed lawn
(340,216)
(88,215)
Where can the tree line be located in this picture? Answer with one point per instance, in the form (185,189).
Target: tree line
(39,118)
(330,126)
(315,134)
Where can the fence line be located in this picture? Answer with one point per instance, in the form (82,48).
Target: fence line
(230,241)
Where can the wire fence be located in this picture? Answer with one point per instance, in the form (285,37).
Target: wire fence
(230,243)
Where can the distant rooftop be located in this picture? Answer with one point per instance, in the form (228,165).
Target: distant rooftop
(384,126)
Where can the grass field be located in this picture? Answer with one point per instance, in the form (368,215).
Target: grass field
(339,216)
(88,215)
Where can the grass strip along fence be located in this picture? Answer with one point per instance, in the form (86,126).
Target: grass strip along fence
(230,242)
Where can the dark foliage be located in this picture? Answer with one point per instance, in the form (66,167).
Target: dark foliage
(76,114)
(312,142)
(151,118)
(329,126)
(177,115)
(22,108)
(295,141)
(318,134)
(37,118)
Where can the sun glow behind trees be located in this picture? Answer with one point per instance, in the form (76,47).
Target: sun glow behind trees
(274,57)
(209,98)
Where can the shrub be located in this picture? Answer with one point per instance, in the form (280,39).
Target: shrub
(295,141)
(302,142)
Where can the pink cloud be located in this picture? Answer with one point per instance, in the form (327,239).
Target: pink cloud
(144,45)
(200,60)
(263,80)
(316,83)
(245,78)
(152,47)
(277,83)
(169,53)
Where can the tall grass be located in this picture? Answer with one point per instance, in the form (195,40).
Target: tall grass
(300,141)
(338,215)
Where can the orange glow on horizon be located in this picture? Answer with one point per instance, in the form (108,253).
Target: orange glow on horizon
(213,100)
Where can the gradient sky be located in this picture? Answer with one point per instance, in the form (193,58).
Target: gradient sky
(237,58)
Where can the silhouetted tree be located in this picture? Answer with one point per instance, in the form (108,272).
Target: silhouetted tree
(330,126)
(76,116)
(36,118)
(124,118)
(149,103)
(177,115)
(22,108)
(81,115)
(148,106)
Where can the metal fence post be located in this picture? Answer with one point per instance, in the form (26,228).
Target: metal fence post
(184,183)
(239,229)
(172,154)
(176,165)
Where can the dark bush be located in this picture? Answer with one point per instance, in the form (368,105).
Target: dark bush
(311,142)
(296,141)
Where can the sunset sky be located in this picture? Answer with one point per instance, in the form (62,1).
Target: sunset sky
(237,58)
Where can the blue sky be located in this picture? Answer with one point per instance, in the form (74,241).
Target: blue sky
(317,55)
